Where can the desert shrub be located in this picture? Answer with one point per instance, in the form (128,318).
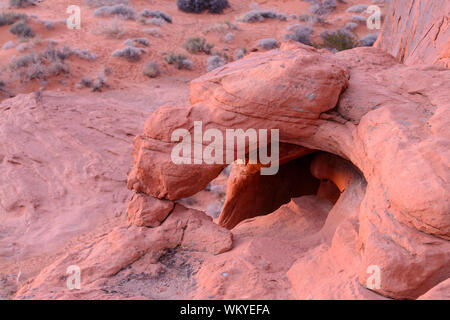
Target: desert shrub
(37,70)
(84,82)
(359,19)
(304,17)
(151,69)
(22,61)
(55,55)
(351,26)
(220,28)
(113,29)
(197,6)
(132,54)
(269,43)
(21,3)
(154,32)
(301,34)
(42,72)
(84,54)
(312,19)
(23,47)
(8,45)
(229,37)
(100,83)
(323,7)
(156,14)
(95,84)
(7,18)
(120,10)
(102,3)
(39,66)
(197,44)
(49,25)
(36,40)
(320,20)
(240,53)
(21,29)
(293,27)
(357,8)
(261,15)
(217,6)
(135,41)
(369,40)
(215,62)
(339,40)
(180,61)
(154,21)
(221,53)
(52,42)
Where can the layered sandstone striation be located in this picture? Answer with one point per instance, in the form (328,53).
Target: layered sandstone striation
(417,31)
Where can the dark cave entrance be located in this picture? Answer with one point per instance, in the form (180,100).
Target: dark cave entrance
(255,194)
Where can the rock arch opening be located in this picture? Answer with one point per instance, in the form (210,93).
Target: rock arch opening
(250,194)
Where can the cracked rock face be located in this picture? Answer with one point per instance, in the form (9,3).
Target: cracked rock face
(417,32)
(359,105)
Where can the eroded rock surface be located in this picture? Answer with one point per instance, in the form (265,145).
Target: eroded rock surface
(417,31)
(147,211)
(392,130)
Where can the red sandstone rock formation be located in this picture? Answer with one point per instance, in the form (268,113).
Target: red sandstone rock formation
(417,31)
(390,129)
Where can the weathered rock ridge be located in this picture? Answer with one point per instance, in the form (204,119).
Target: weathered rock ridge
(389,137)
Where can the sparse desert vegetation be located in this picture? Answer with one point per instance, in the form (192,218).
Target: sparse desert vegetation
(154,32)
(369,40)
(240,53)
(8,18)
(113,29)
(21,3)
(215,62)
(119,10)
(300,34)
(146,13)
(152,69)
(268,43)
(22,30)
(103,3)
(129,53)
(358,8)
(261,15)
(339,40)
(137,41)
(84,54)
(41,65)
(96,84)
(321,7)
(197,45)
(229,38)
(198,6)
(180,61)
